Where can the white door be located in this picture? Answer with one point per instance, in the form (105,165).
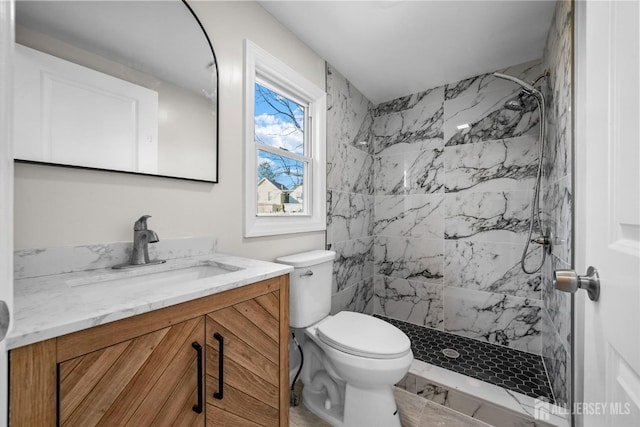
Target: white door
(6,192)
(608,211)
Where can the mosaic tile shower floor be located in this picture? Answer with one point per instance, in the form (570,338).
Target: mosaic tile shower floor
(508,368)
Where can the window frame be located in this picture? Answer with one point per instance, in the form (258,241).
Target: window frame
(263,68)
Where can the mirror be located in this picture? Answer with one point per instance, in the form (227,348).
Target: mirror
(127,86)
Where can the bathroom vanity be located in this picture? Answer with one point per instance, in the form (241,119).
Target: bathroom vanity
(217,357)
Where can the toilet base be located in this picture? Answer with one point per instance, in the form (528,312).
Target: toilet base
(315,402)
(363,407)
(370,407)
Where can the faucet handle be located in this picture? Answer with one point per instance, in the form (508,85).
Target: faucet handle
(141,223)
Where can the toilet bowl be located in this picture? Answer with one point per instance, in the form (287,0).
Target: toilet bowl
(368,366)
(364,350)
(351,360)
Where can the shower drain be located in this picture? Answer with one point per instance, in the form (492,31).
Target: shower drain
(450,353)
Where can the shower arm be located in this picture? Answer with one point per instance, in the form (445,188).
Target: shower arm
(535,211)
(526,86)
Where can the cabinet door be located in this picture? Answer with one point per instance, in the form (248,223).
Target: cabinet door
(245,339)
(148,380)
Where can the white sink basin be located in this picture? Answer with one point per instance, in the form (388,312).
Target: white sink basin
(160,274)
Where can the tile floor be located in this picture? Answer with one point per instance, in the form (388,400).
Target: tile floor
(505,367)
(415,411)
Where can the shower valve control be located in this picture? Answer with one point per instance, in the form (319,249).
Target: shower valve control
(569,281)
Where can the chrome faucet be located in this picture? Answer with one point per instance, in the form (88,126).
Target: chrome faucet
(142,236)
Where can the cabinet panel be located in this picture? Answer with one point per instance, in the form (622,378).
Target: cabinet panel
(243,365)
(32,385)
(238,324)
(151,379)
(226,419)
(251,334)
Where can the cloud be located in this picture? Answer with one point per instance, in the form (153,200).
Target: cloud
(276,132)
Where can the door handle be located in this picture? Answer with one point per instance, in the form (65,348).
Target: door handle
(5,319)
(569,281)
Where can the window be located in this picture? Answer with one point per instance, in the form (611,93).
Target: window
(284,148)
(283,152)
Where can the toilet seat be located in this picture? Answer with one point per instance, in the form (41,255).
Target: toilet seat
(363,335)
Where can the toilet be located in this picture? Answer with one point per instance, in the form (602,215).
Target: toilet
(351,360)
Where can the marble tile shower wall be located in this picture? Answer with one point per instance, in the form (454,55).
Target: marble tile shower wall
(557,200)
(349,194)
(429,217)
(454,172)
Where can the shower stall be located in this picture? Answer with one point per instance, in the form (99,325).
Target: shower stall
(434,200)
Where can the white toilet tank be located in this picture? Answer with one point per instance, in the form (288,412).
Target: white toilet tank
(309,287)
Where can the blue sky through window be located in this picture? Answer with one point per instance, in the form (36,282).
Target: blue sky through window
(279,122)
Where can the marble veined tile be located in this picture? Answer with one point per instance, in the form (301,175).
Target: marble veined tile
(557,149)
(557,213)
(408,258)
(479,398)
(417,128)
(558,197)
(409,173)
(67,259)
(349,112)
(349,169)
(416,302)
(349,216)
(409,102)
(491,216)
(558,58)
(353,263)
(502,165)
(364,137)
(415,215)
(501,319)
(557,362)
(527,71)
(557,303)
(491,267)
(357,297)
(485,118)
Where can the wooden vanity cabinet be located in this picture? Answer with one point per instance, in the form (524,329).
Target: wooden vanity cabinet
(143,370)
(151,379)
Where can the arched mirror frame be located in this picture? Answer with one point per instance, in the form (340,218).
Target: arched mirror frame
(215,179)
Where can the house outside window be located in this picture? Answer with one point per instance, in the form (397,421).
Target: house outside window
(284,148)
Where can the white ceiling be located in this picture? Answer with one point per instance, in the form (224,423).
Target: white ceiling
(389,49)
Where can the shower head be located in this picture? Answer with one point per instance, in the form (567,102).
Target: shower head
(526,86)
(523,101)
(514,105)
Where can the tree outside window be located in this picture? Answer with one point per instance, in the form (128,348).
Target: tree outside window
(281,153)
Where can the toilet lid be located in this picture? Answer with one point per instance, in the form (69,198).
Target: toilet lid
(363,335)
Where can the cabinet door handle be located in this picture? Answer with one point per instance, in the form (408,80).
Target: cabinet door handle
(219,394)
(198,406)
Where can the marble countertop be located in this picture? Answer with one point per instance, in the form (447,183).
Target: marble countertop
(53,305)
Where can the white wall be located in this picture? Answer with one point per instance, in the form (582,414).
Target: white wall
(60,206)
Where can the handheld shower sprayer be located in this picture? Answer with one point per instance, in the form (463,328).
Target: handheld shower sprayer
(543,240)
